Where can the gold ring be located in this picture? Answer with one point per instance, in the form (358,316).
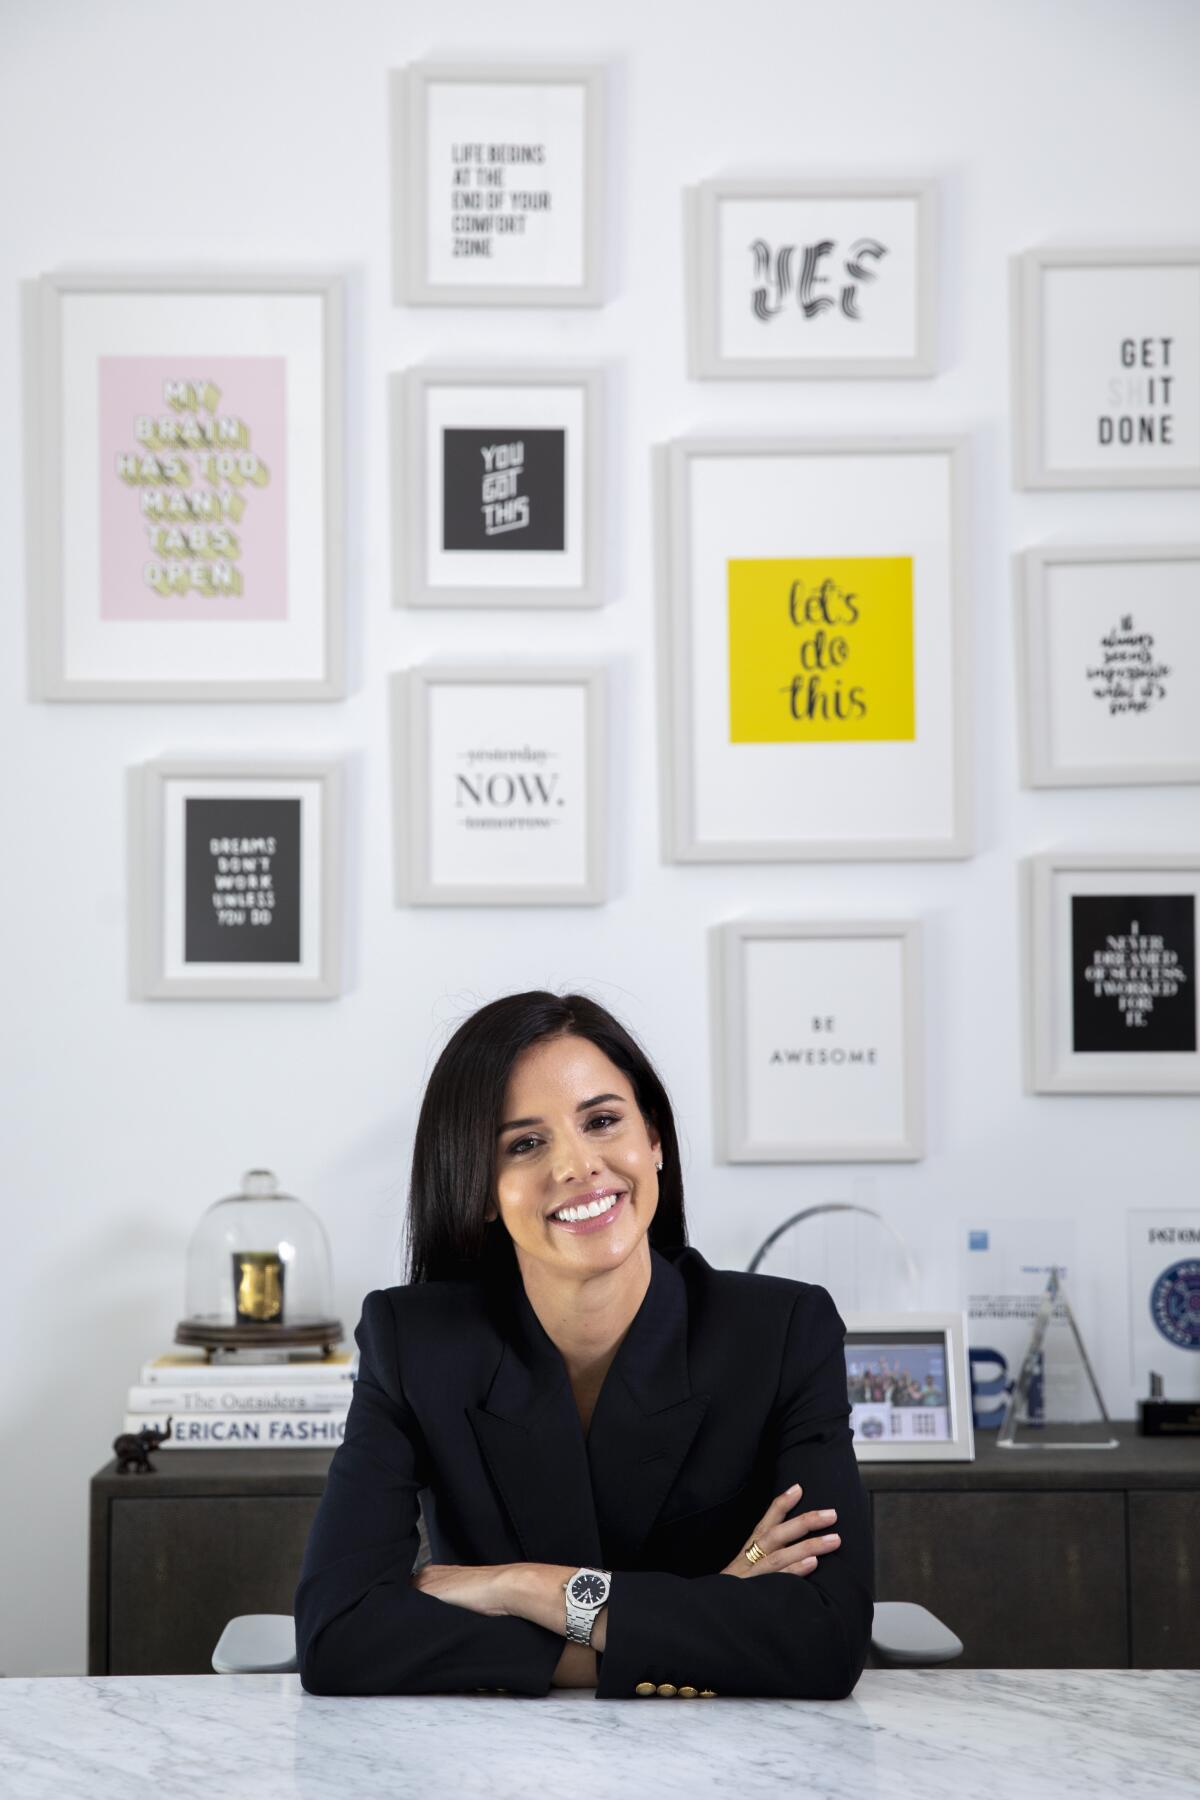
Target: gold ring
(755,1553)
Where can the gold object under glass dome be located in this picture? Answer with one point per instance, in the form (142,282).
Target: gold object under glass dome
(258,1274)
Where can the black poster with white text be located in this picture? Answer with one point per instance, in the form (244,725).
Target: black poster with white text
(503,490)
(242,881)
(1133,970)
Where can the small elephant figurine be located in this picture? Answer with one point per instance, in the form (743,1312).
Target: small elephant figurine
(132,1449)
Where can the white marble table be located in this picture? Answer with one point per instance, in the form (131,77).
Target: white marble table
(940,1734)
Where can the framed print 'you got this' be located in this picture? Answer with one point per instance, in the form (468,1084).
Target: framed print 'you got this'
(191,487)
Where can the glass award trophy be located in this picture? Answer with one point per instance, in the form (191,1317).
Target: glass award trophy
(1055,1402)
(847,1248)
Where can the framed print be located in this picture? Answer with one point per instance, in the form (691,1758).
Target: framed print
(235,877)
(813,650)
(909,1386)
(1106,368)
(811,278)
(1109,657)
(1110,976)
(499,785)
(818,1037)
(499,495)
(498,176)
(191,488)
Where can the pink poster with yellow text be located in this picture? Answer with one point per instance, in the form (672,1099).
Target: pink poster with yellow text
(193,515)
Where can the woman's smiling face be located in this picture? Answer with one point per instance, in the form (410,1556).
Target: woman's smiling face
(571,1137)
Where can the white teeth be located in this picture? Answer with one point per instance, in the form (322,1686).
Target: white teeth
(570,1214)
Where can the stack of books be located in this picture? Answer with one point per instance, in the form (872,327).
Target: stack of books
(247,1399)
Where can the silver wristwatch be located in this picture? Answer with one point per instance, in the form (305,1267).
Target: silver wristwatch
(586,1591)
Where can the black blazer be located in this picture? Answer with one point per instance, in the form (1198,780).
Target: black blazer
(726,1388)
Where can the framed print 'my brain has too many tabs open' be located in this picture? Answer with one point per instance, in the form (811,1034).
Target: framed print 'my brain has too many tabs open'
(813,650)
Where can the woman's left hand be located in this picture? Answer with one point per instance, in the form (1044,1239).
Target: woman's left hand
(477,1587)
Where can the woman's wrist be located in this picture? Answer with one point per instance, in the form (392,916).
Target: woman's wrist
(535,1591)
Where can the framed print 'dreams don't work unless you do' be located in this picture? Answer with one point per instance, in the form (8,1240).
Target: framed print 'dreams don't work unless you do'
(235,878)
(190,488)
(813,650)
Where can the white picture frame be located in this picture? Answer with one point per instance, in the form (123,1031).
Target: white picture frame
(1108,648)
(748,524)
(1105,358)
(1110,951)
(190,498)
(263,835)
(818,1041)
(463,537)
(930,1338)
(793,278)
(508,746)
(519,246)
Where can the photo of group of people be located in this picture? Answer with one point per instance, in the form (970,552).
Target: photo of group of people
(897,1390)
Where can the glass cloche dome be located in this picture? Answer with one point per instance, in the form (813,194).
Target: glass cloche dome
(258,1274)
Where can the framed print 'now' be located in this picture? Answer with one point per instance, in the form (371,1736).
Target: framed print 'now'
(818,1040)
(499,487)
(191,495)
(235,873)
(499,785)
(813,651)
(498,174)
(812,278)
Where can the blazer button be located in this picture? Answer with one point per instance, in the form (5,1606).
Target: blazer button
(667,1689)
(708,1693)
(688,1693)
(644,1687)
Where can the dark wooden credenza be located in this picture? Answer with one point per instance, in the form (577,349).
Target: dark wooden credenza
(1037,1559)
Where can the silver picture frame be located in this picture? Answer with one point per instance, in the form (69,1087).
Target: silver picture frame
(733,1140)
(951,1329)
(415,884)
(1041,766)
(702,205)
(147,877)
(409,106)
(410,496)
(52,678)
(1027,357)
(681,838)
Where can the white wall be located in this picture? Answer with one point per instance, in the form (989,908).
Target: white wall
(257,133)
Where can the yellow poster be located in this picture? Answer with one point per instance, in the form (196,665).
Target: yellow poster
(821,649)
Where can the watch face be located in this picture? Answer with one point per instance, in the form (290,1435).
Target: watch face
(588,1589)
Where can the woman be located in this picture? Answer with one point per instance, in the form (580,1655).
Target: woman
(635,1470)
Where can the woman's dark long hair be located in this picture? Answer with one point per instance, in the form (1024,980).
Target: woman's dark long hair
(454,1153)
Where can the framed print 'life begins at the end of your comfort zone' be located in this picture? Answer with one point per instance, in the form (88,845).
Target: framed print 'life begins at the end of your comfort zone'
(813,650)
(498,177)
(190,487)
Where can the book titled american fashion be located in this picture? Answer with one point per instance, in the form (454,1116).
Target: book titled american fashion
(179,1368)
(246,1431)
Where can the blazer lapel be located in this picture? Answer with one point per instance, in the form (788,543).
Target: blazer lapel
(571,1502)
(645,1419)
(531,1438)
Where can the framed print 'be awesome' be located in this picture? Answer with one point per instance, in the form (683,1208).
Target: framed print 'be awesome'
(813,650)
(191,498)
